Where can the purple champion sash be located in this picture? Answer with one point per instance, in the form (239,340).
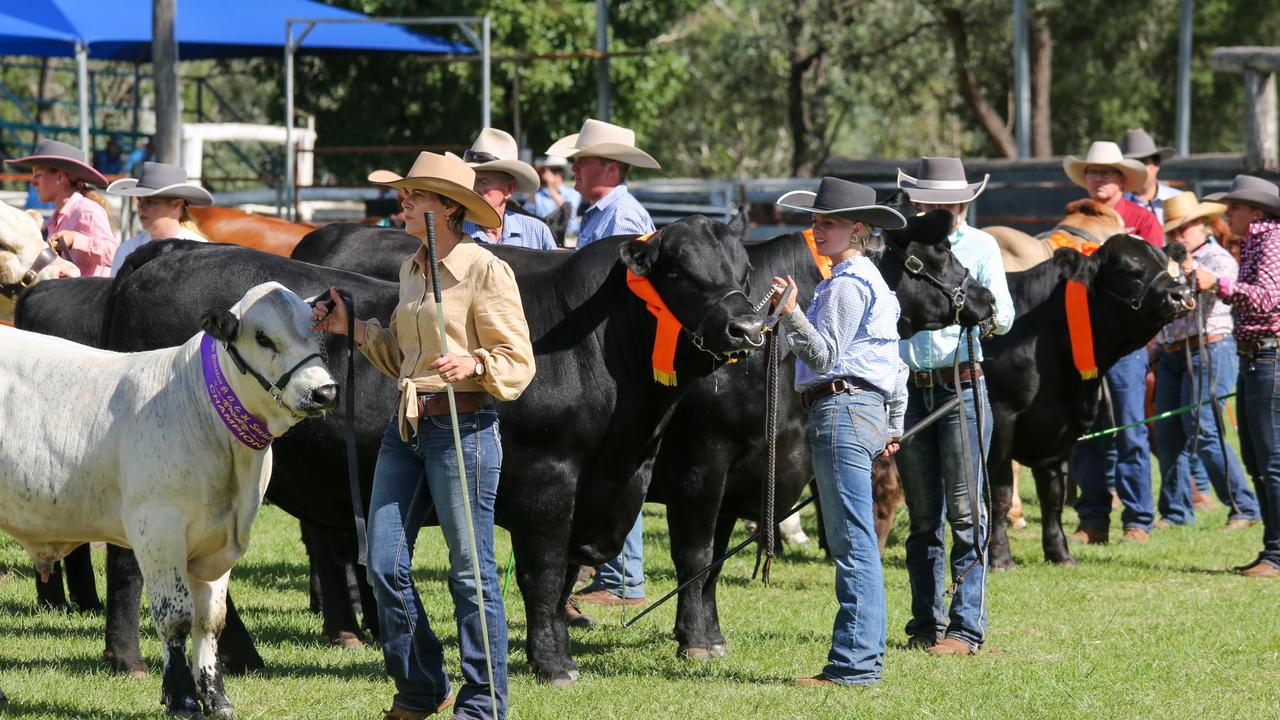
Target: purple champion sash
(247,428)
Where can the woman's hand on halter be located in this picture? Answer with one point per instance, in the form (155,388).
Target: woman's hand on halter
(61,240)
(780,287)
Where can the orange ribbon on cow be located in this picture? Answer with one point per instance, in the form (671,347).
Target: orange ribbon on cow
(1080,330)
(668,332)
(822,261)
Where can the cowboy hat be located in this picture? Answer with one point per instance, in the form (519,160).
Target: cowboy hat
(64,157)
(496,151)
(161,180)
(1252,191)
(552,161)
(845,199)
(940,181)
(446,175)
(605,140)
(1184,208)
(1106,154)
(1137,145)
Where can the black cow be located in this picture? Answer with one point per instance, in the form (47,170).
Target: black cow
(1039,401)
(593,410)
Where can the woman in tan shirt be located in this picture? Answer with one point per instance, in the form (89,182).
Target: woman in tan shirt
(489,356)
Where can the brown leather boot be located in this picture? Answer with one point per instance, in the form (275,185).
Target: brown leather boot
(396,713)
(1263,569)
(604,597)
(1086,535)
(1135,535)
(951,646)
(815,681)
(1239,524)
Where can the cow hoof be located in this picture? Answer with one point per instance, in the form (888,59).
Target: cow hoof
(135,669)
(1065,560)
(348,641)
(1003,563)
(691,652)
(184,708)
(220,708)
(719,650)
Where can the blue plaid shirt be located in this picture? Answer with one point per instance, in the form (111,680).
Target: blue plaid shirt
(542,205)
(617,213)
(518,230)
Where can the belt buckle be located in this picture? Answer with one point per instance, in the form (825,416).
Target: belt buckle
(923,379)
(839,385)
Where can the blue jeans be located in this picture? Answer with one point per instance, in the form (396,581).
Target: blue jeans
(932,467)
(411,478)
(846,432)
(624,575)
(1126,455)
(1259,404)
(1178,436)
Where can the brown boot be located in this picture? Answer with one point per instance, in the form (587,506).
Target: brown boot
(1086,535)
(1135,535)
(396,713)
(574,615)
(1239,524)
(951,646)
(815,681)
(604,597)
(1263,569)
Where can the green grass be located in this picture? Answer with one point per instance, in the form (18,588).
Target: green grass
(1154,631)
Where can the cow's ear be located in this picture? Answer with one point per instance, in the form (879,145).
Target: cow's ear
(639,257)
(738,225)
(221,324)
(1075,265)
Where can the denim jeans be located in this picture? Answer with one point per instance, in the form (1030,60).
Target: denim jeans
(1259,406)
(624,575)
(1178,436)
(932,467)
(409,479)
(846,432)
(1126,455)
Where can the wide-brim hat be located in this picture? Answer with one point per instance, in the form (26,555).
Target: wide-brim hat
(1106,154)
(940,181)
(161,180)
(606,140)
(1185,207)
(64,157)
(849,200)
(447,175)
(1252,191)
(1138,144)
(496,151)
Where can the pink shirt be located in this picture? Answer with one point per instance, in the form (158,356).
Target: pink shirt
(93,245)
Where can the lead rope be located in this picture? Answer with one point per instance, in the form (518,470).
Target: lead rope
(771,442)
(1211,379)
(980,541)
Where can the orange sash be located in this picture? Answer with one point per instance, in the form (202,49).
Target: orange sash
(822,261)
(1062,238)
(668,333)
(1080,330)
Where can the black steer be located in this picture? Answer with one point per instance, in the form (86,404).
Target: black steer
(593,410)
(1039,401)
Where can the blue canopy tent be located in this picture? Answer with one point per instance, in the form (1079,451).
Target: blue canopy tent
(121,30)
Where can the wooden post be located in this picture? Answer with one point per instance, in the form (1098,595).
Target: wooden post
(164,61)
(1262,123)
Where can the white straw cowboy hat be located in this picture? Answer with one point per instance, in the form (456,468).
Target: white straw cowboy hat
(1252,191)
(1184,208)
(496,151)
(446,175)
(1103,153)
(940,181)
(605,140)
(64,157)
(161,180)
(849,200)
(1138,144)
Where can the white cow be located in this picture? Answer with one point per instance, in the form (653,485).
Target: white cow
(25,258)
(138,449)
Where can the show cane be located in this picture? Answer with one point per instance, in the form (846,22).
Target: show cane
(462,468)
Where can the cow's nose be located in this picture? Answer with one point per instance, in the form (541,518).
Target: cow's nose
(325,395)
(746,329)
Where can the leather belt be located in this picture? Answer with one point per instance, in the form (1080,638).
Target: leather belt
(1249,348)
(433,404)
(835,387)
(940,376)
(1195,342)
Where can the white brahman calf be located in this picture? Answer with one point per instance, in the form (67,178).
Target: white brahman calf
(25,259)
(167,452)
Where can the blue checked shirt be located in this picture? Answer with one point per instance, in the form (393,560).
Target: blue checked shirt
(1156,205)
(518,230)
(542,205)
(980,253)
(617,213)
(850,331)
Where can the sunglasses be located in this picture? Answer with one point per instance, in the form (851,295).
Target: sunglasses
(478,156)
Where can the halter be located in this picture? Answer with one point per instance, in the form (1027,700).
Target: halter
(276,389)
(915,266)
(30,275)
(1137,303)
(696,335)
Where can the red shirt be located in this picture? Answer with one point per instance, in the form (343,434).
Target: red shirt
(1141,222)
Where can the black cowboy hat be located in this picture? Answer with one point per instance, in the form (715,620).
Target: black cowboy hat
(845,199)
(1252,191)
(941,181)
(64,157)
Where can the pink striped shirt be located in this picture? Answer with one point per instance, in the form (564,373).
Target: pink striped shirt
(93,245)
(1255,294)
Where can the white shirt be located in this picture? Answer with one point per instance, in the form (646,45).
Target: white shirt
(142,238)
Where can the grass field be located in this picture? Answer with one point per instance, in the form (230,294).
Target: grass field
(1154,631)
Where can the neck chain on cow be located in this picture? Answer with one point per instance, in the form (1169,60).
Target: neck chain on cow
(30,275)
(243,425)
(276,389)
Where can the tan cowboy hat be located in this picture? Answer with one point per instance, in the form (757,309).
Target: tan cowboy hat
(1185,207)
(447,175)
(496,151)
(1104,153)
(605,140)
(64,157)
(161,180)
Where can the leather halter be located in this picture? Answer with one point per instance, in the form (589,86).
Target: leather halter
(276,389)
(31,275)
(915,266)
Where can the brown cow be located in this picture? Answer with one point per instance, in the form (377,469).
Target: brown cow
(260,232)
(1085,220)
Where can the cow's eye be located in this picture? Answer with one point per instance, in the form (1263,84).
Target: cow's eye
(264,341)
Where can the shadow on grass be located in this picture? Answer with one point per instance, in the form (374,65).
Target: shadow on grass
(79,665)
(15,708)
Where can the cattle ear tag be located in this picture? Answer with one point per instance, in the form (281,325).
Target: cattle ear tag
(1174,270)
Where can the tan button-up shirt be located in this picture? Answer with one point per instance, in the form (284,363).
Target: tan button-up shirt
(483,317)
